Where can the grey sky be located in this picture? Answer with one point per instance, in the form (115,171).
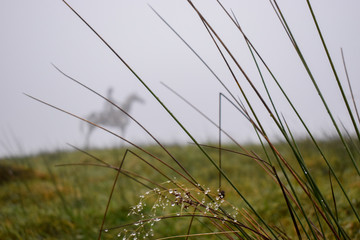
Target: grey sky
(36,33)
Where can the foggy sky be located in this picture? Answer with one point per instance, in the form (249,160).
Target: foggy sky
(36,34)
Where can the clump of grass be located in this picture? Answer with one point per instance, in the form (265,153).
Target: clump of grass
(10,172)
(312,202)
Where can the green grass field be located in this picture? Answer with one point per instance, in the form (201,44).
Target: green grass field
(43,201)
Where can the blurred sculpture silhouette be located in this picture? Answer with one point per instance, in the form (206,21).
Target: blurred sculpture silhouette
(111,116)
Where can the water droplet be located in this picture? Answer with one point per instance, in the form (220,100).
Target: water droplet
(106,230)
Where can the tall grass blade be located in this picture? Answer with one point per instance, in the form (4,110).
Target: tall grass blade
(65,204)
(288,204)
(349,85)
(110,196)
(316,85)
(328,110)
(220,152)
(334,70)
(196,54)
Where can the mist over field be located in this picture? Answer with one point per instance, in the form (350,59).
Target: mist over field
(37,34)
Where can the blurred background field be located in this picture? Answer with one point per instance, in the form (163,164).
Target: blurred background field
(40,200)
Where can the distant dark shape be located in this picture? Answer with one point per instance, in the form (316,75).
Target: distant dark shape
(110,116)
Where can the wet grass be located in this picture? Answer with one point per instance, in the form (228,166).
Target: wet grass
(43,201)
